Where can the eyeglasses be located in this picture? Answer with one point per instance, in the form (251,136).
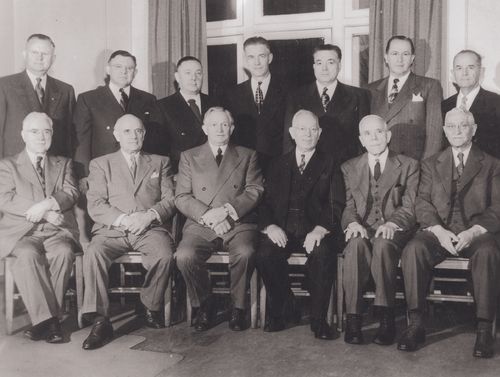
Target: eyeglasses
(456,127)
(306,130)
(39,132)
(120,67)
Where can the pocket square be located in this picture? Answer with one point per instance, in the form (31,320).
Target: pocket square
(417,98)
(154,175)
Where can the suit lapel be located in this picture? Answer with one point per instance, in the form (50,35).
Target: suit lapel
(444,167)
(248,97)
(53,169)
(26,92)
(111,100)
(339,99)
(479,104)
(143,168)
(27,170)
(52,96)
(270,102)
(313,169)
(230,161)
(472,167)
(208,167)
(390,175)
(314,100)
(118,160)
(403,98)
(380,100)
(363,178)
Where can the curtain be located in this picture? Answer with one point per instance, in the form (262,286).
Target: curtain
(421,20)
(176,28)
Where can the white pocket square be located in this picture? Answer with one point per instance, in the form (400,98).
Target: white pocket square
(154,175)
(417,98)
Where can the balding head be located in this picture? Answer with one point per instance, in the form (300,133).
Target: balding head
(305,130)
(129,132)
(37,132)
(459,127)
(374,134)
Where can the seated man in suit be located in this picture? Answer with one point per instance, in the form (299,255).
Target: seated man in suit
(483,104)
(338,106)
(37,194)
(218,188)
(458,209)
(303,201)
(179,117)
(410,104)
(131,200)
(378,220)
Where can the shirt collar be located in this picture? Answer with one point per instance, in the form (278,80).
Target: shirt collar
(187,97)
(214,148)
(116,89)
(307,156)
(470,97)
(331,88)
(33,156)
(382,159)
(264,86)
(128,156)
(33,78)
(401,81)
(455,152)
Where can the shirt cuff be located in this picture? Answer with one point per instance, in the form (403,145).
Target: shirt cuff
(54,204)
(231,211)
(158,218)
(118,221)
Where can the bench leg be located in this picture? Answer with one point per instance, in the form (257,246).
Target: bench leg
(253,300)
(340,293)
(79,288)
(9,295)
(189,309)
(168,303)
(263,298)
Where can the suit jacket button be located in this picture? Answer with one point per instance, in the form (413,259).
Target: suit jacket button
(203,189)
(183,134)
(235,186)
(108,127)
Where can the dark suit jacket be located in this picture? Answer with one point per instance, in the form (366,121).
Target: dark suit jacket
(340,121)
(415,116)
(201,184)
(397,187)
(20,188)
(262,132)
(324,192)
(95,116)
(180,129)
(479,191)
(486,111)
(18,99)
(113,191)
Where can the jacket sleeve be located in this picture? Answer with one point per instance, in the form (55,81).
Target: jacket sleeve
(68,195)
(433,120)
(10,201)
(350,213)
(82,120)
(166,207)
(427,213)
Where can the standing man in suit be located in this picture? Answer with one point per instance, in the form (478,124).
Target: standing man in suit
(218,188)
(98,110)
(410,104)
(37,194)
(179,117)
(34,90)
(378,220)
(339,107)
(303,201)
(484,105)
(131,200)
(258,104)
(458,209)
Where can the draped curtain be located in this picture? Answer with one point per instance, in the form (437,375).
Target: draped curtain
(421,20)
(176,28)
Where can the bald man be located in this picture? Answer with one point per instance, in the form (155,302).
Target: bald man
(37,194)
(378,220)
(131,200)
(458,209)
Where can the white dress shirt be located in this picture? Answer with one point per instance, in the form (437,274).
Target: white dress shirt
(470,97)
(196,98)
(307,156)
(382,159)
(400,83)
(264,86)
(33,78)
(116,91)
(455,152)
(330,91)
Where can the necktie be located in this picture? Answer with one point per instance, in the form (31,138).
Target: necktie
(259,97)
(460,166)
(133,166)
(376,170)
(302,165)
(39,170)
(218,158)
(325,98)
(40,93)
(124,99)
(394,91)
(195,109)
(463,104)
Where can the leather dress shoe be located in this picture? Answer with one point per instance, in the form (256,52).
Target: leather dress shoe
(353,333)
(205,316)
(39,331)
(101,333)
(411,338)
(324,331)
(274,324)
(54,332)
(237,320)
(387,330)
(484,346)
(153,319)
(314,323)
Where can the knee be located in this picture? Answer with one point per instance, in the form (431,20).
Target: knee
(382,248)
(244,253)
(65,254)
(357,248)
(29,256)
(184,257)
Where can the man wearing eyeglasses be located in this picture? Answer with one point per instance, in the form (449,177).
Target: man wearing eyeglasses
(131,200)
(458,209)
(303,201)
(38,228)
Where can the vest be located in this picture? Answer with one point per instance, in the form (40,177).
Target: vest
(297,222)
(456,221)
(374,215)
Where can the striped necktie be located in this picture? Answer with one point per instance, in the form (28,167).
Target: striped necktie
(394,91)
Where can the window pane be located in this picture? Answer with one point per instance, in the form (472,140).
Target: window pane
(292,59)
(360,55)
(222,68)
(220,10)
(281,7)
(360,4)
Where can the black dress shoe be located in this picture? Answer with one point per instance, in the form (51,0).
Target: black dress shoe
(411,338)
(484,346)
(38,331)
(353,333)
(237,320)
(205,316)
(274,324)
(101,333)
(314,323)
(153,319)
(54,332)
(325,331)
(387,330)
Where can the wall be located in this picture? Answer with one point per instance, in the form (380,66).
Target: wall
(6,37)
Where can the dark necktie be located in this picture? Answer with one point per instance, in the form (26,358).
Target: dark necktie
(40,93)
(325,98)
(218,158)
(195,109)
(394,91)
(302,165)
(39,170)
(376,170)
(259,97)
(124,100)
(133,166)
(460,166)
(463,103)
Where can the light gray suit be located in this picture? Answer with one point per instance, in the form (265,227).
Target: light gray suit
(113,192)
(202,185)
(42,285)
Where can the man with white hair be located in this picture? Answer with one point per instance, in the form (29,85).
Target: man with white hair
(37,194)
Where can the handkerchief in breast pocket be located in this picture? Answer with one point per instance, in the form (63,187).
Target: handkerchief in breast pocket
(154,175)
(417,98)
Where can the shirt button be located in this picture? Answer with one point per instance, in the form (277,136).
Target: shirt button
(203,189)
(108,127)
